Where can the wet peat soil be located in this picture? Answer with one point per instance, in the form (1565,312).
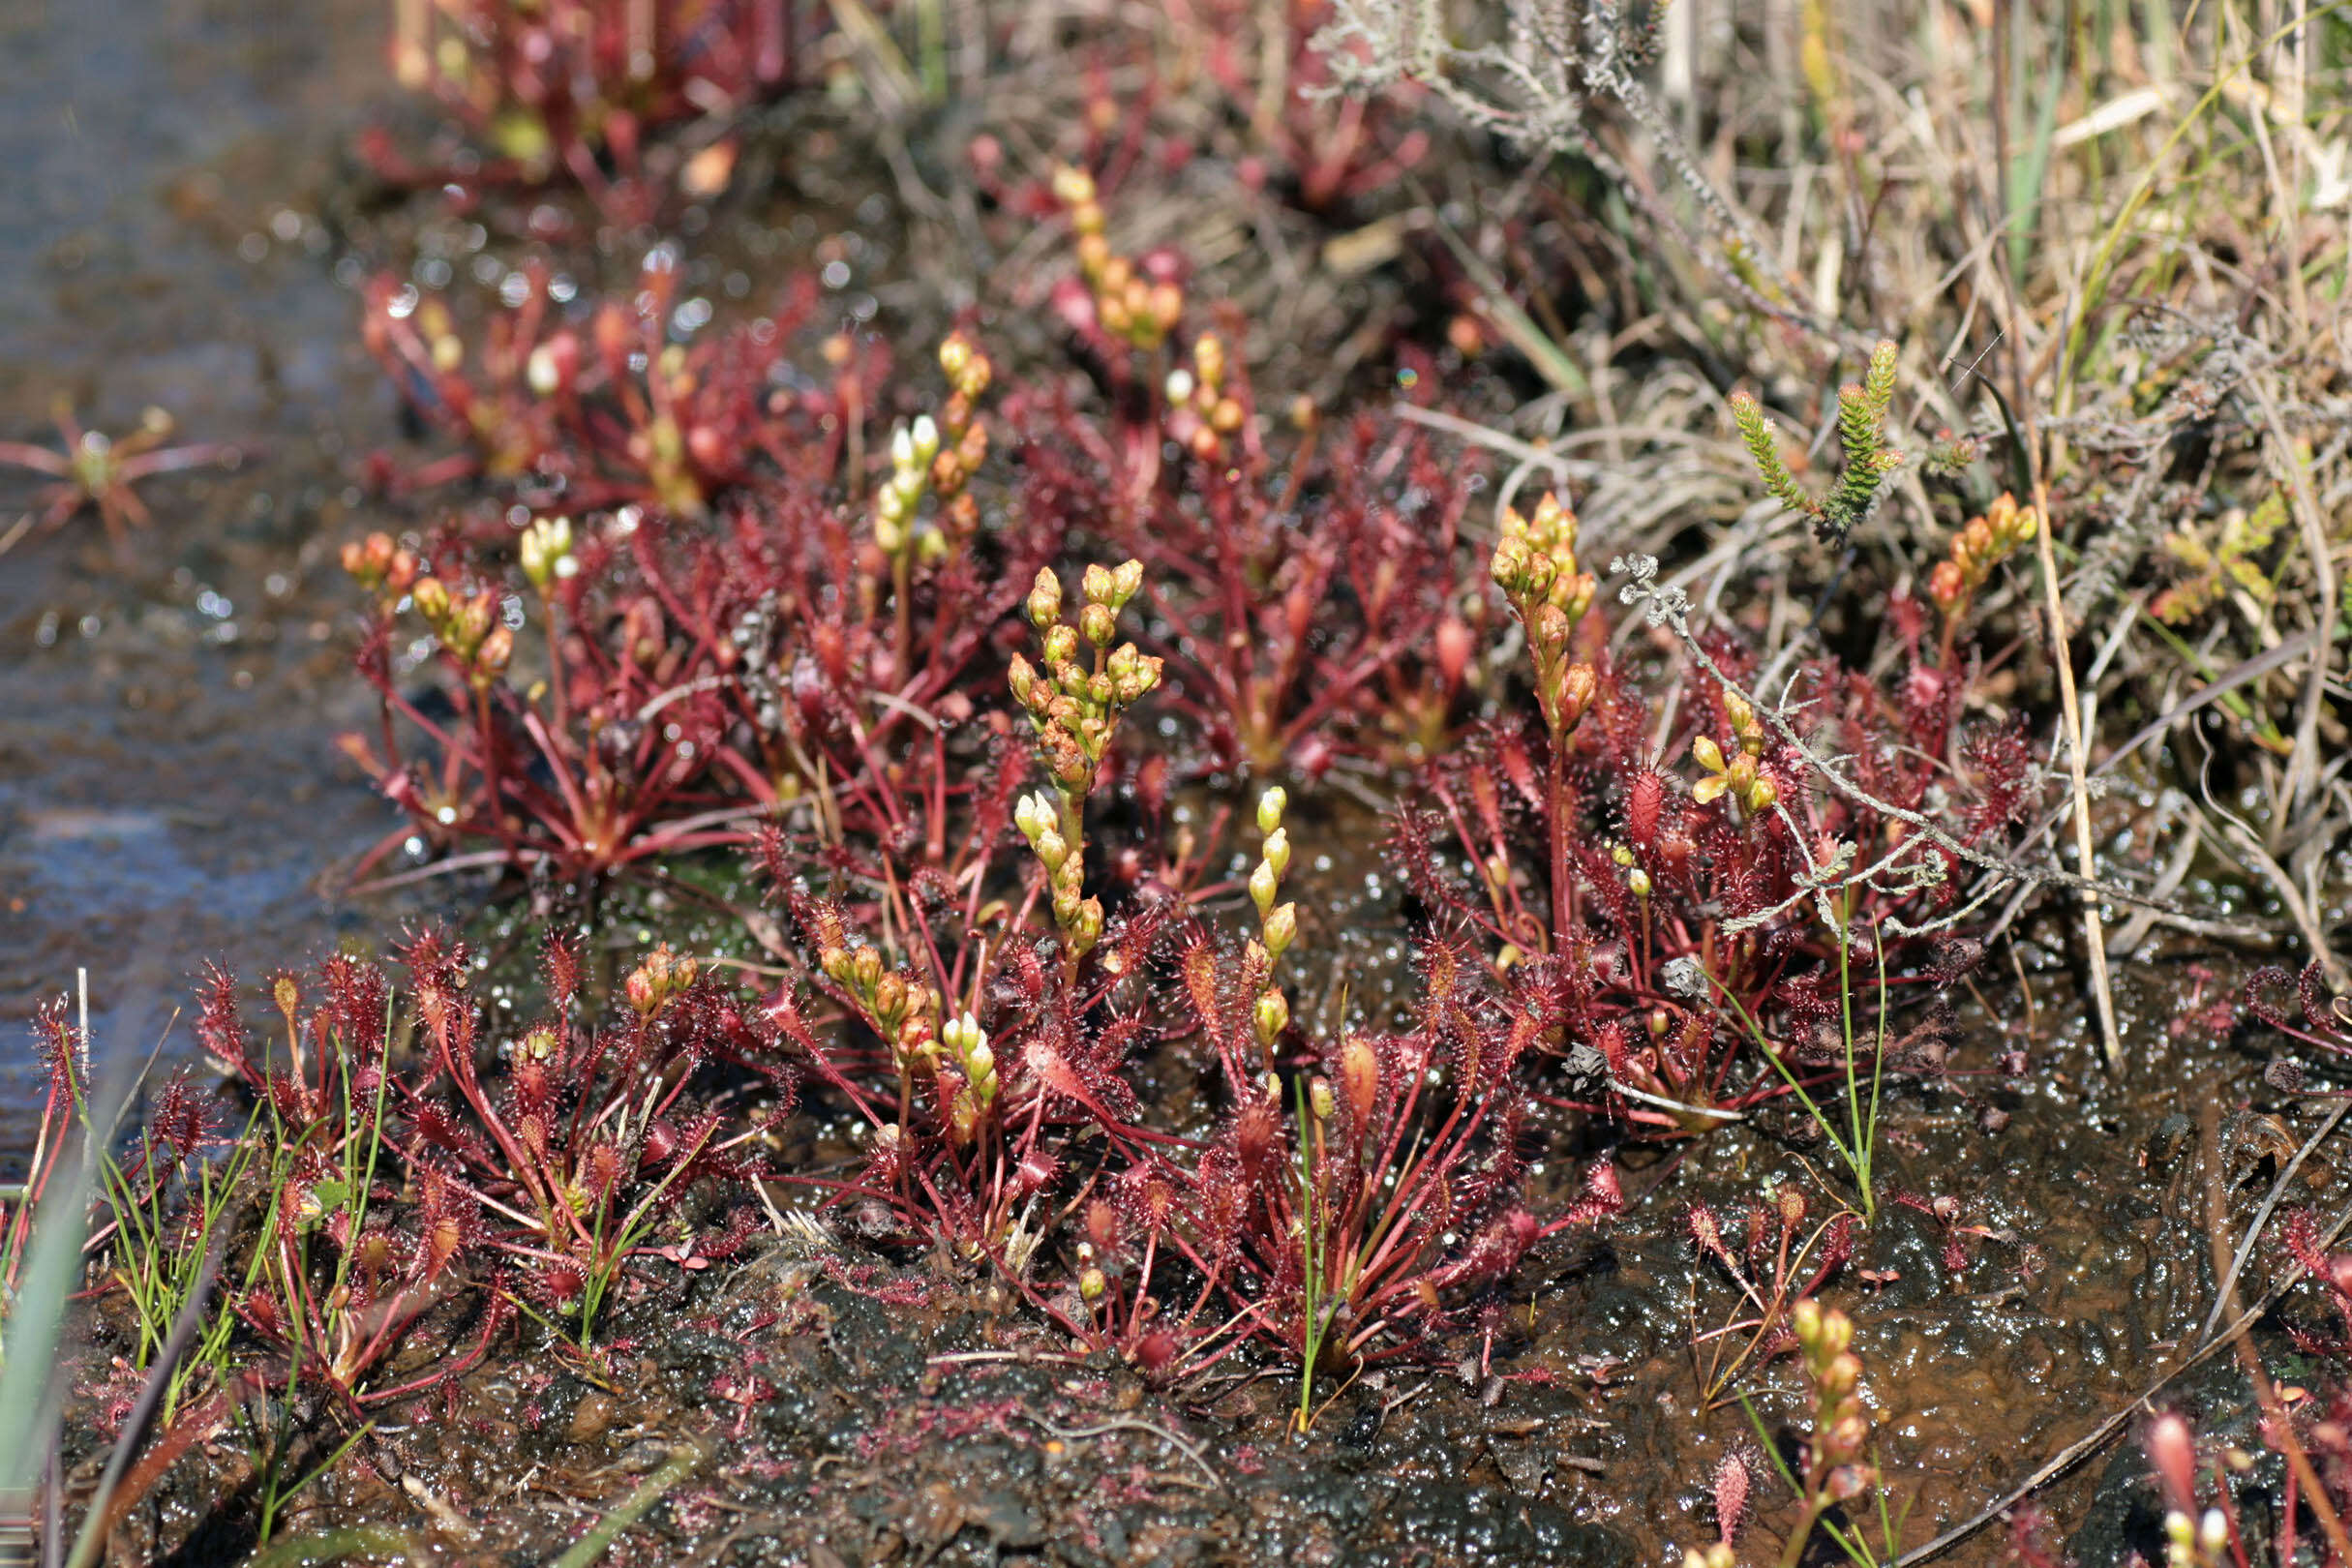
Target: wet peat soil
(856,1403)
(168,794)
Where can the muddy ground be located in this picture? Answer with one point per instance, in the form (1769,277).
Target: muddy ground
(183,231)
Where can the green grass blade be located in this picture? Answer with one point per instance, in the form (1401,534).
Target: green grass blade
(630,1509)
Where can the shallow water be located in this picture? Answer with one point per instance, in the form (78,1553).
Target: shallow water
(168,791)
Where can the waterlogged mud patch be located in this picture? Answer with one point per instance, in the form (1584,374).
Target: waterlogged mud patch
(2038,1256)
(168,789)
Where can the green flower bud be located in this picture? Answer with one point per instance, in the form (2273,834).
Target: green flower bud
(546,550)
(1022,678)
(2182,1533)
(1550,630)
(1282,929)
(1052,849)
(1134,678)
(1097,623)
(1044,602)
(1264,883)
(1278,851)
(1509,567)
(1272,1016)
(1270,807)
(1127,579)
(497,649)
(1577,690)
(1805,1322)
(1572,593)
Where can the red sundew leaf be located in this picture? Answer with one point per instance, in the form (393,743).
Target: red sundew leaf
(1732,1485)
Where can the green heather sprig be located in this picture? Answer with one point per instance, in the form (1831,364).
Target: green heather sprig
(2232,562)
(1867,458)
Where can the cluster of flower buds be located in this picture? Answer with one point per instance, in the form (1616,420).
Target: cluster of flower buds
(660,976)
(912,450)
(438,330)
(1742,775)
(1981,544)
(2191,1539)
(469,627)
(1076,710)
(1079,917)
(1130,305)
(380,567)
(1535,567)
(546,550)
(1636,880)
(926,459)
(966,441)
(903,1011)
(968,1052)
(1278,923)
(1201,411)
(1841,1419)
(1093,1283)
(2202,1544)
